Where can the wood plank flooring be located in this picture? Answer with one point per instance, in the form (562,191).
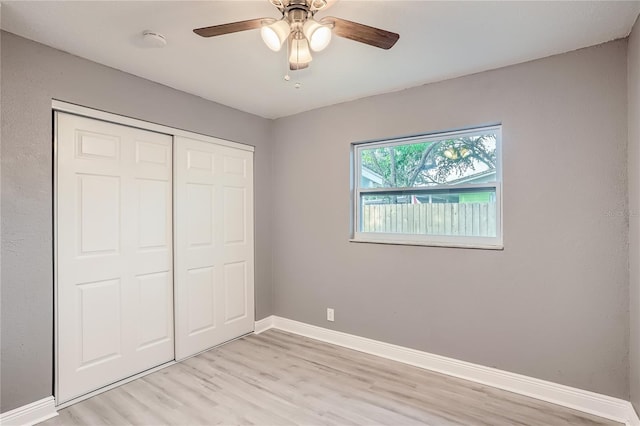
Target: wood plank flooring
(277,378)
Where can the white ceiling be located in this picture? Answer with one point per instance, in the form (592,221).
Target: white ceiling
(438,40)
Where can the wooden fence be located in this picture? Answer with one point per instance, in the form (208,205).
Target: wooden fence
(469,219)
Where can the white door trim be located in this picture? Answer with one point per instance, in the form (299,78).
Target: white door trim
(589,402)
(141,124)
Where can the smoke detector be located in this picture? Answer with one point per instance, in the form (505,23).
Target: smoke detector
(153,39)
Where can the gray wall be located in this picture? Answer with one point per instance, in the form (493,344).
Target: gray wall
(633,78)
(31,75)
(553,304)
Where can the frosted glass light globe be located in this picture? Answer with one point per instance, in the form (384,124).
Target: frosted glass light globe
(318,35)
(275,34)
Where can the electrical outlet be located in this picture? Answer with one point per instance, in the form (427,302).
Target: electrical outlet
(329,314)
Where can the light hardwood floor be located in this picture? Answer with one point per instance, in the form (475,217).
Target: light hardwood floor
(277,378)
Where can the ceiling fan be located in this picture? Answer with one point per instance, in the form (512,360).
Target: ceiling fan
(302,32)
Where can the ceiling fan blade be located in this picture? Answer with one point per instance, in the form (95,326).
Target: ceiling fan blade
(232,27)
(362,33)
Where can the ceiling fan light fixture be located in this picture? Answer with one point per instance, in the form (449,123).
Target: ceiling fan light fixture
(300,53)
(275,34)
(302,32)
(318,35)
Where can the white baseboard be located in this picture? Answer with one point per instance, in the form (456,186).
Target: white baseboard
(263,325)
(30,414)
(578,399)
(634,419)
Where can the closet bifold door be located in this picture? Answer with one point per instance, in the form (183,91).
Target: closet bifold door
(214,295)
(114,248)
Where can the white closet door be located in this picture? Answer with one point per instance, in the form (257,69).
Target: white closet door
(213,245)
(114,253)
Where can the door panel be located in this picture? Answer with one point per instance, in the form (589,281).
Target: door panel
(95,145)
(213,245)
(235,166)
(153,153)
(201,299)
(99,203)
(155,325)
(114,253)
(200,161)
(200,214)
(153,205)
(234,215)
(235,291)
(100,321)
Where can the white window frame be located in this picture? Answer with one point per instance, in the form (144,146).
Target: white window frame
(493,243)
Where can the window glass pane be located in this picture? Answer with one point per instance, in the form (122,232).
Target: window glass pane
(455,212)
(448,161)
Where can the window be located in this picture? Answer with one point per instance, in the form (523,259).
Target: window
(439,189)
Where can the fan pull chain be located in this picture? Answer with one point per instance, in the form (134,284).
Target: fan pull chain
(287,77)
(298,84)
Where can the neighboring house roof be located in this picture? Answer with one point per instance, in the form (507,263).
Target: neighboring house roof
(481,177)
(367,173)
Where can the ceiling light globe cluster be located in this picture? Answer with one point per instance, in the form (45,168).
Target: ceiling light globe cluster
(316,36)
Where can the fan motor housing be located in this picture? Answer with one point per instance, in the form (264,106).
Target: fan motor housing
(310,7)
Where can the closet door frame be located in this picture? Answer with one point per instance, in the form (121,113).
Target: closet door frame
(70,108)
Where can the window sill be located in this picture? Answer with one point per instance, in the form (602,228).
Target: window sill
(429,244)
